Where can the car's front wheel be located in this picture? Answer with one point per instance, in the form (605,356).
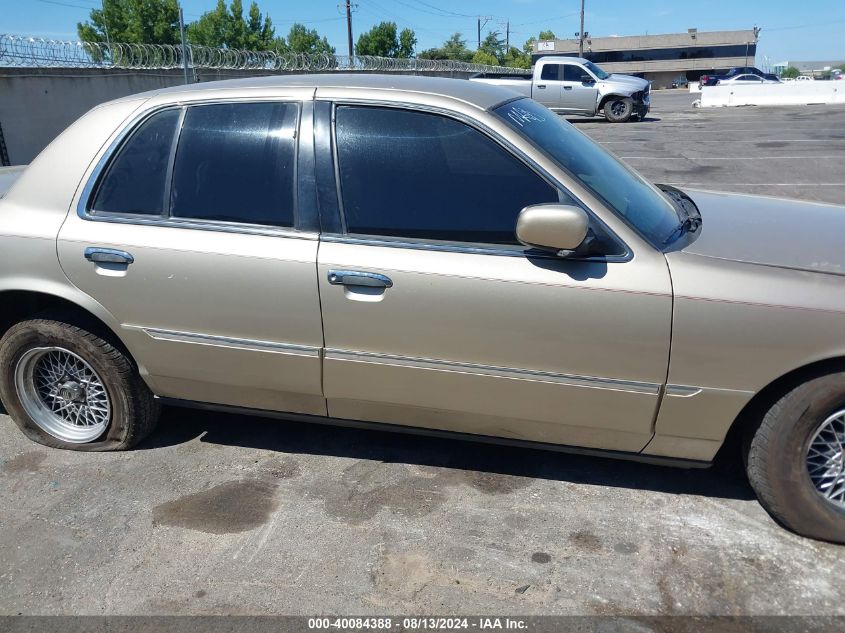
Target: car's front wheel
(66,387)
(796,459)
(619,109)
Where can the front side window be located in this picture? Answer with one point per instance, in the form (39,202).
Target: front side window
(573,73)
(419,175)
(136,178)
(235,163)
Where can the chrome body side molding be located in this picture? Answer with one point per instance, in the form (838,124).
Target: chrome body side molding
(487,370)
(224,341)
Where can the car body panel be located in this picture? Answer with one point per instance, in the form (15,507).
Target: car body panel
(752,229)
(531,349)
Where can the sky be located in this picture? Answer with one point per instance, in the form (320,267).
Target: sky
(814,33)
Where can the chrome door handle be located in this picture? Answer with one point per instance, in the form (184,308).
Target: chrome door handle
(108,256)
(567,87)
(541,87)
(359,278)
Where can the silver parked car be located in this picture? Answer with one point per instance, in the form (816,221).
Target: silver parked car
(433,254)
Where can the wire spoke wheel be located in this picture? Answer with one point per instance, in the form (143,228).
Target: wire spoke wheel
(63,394)
(826,459)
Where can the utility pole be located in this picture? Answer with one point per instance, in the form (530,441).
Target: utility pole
(581,33)
(480,25)
(508,36)
(349,26)
(184,46)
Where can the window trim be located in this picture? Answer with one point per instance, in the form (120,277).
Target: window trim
(85,211)
(477,248)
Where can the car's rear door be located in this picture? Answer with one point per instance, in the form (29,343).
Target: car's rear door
(197,236)
(434,317)
(547,90)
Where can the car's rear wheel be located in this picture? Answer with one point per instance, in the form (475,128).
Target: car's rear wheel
(66,387)
(619,109)
(796,459)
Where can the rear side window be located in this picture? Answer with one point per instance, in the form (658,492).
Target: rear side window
(135,180)
(235,162)
(418,175)
(550,72)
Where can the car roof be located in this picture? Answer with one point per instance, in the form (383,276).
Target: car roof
(562,58)
(481,95)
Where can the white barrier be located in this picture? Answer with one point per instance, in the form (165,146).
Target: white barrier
(791,93)
(693,87)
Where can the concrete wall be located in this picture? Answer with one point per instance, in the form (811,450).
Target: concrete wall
(792,93)
(38,103)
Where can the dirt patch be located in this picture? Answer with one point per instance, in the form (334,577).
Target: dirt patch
(25,463)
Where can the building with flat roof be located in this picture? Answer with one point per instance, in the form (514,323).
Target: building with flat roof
(662,58)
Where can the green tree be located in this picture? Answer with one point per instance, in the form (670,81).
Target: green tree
(227,26)
(547,35)
(382,41)
(454,48)
(528,47)
(132,21)
(304,40)
(483,57)
(407,43)
(493,45)
(515,58)
(790,73)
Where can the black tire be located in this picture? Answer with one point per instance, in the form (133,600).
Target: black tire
(134,410)
(776,456)
(619,109)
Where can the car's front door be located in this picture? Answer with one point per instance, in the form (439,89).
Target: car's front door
(578,95)
(190,239)
(548,89)
(435,317)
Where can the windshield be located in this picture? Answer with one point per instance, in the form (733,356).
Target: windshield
(629,195)
(598,72)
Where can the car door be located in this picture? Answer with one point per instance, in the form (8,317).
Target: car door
(548,89)
(190,234)
(578,95)
(435,317)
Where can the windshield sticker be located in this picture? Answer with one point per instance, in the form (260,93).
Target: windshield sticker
(522,117)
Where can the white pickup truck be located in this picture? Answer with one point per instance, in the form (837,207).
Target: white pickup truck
(573,85)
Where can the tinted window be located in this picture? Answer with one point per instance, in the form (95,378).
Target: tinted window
(573,73)
(419,175)
(235,162)
(135,180)
(550,72)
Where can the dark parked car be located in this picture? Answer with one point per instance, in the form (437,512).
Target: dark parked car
(712,80)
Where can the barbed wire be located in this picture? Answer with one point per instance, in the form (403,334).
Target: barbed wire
(29,52)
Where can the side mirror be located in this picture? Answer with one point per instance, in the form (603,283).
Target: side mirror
(586,79)
(557,227)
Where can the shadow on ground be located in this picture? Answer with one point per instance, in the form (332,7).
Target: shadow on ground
(179,426)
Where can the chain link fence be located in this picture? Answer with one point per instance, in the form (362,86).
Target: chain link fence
(34,52)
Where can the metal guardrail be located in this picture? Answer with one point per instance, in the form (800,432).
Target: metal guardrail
(34,52)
